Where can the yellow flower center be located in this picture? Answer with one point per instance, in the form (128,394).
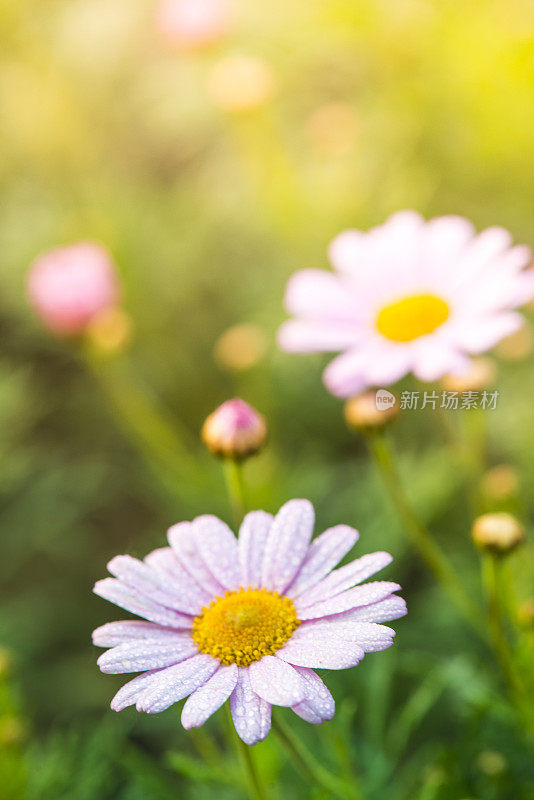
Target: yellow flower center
(411,317)
(245,625)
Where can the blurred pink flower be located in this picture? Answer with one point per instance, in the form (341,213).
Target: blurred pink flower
(193,24)
(70,285)
(246,620)
(408,296)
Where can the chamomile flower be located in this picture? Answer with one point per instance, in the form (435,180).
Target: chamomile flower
(408,296)
(245,620)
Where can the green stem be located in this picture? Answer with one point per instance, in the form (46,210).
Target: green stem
(419,535)
(155,434)
(313,772)
(493,587)
(235,484)
(256,789)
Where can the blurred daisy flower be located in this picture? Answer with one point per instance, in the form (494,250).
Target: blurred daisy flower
(69,286)
(244,619)
(408,296)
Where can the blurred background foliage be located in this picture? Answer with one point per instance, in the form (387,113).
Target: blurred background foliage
(109,133)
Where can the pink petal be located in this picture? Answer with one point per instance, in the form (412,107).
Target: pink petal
(217,546)
(251,546)
(319,705)
(131,600)
(319,294)
(138,656)
(175,683)
(141,577)
(444,241)
(345,578)
(251,714)
(377,362)
(386,610)
(482,334)
(306,648)
(318,336)
(347,250)
(434,358)
(372,638)
(352,598)
(131,691)
(276,682)
(323,554)
(485,247)
(174,577)
(287,543)
(113,633)
(205,701)
(184,542)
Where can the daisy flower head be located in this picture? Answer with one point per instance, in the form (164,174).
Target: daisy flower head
(408,296)
(245,620)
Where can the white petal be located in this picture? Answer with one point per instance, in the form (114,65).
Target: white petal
(251,714)
(218,547)
(287,544)
(319,650)
(319,705)
(345,578)
(352,598)
(113,633)
(175,683)
(147,581)
(147,654)
(371,637)
(184,542)
(386,610)
(323,554)
(176,579)
(251,545)
(200,705)
(131,600)
(276,682)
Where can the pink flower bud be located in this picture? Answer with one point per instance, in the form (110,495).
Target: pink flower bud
(234,430)
(70,285)
(193,24)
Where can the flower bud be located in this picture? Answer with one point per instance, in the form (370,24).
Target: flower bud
(371,410)
(499,533)
(241,83)
(70,285)
(193,24)
(234,430)
(480,374)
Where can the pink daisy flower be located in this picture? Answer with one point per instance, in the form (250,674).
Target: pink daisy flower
(244,619)
(408,296)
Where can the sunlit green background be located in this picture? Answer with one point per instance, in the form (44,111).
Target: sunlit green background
(107,133)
